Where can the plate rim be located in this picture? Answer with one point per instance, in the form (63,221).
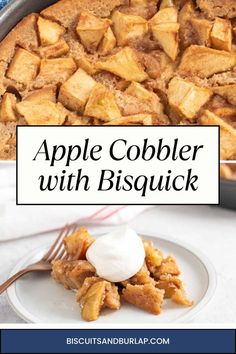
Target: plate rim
(23,313)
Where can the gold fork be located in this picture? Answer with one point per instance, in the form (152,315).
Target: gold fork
(56,252)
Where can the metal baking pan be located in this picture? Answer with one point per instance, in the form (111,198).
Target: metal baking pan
(17,9)
(11,14)
(228,194)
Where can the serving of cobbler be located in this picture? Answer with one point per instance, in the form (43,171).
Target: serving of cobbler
(157,280)
(121,62)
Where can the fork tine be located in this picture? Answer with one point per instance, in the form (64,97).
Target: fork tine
(45,257)
(57,249)
(60,248)
(60,255)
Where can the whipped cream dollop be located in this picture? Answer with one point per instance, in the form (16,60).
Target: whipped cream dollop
(118,255)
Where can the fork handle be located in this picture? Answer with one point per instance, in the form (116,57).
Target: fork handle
(11,280)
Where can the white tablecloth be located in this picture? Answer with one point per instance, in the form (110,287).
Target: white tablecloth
(210,229)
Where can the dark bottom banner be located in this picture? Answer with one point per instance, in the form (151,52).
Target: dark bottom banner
(117,341)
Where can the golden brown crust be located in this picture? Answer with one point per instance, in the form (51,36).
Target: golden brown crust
(22,35)
(66,12)
(146,297)
(158,43)
(214,8)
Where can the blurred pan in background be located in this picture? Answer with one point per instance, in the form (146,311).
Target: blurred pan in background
(228,186)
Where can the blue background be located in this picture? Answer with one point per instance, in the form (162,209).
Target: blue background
(181,341)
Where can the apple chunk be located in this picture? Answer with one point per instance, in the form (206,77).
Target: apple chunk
(202,28)
(75,92)
(24,66)
(221,34)
(205,62)
(102,104)
(185,98)
(167,36)
(127,27)
(226,91)
(7,108)
(227,134)
(43,112)
(56,50)
(137,90)
(108,42)
(91,30)
(49,31)
(165,15)
(56,70)
(124,64)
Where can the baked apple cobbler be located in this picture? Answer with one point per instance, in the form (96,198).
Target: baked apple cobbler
(154,281)
(121,62)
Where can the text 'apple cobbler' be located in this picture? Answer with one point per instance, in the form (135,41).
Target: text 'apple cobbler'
(156,279)
(121,62)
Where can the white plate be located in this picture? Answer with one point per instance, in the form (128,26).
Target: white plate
(38,298)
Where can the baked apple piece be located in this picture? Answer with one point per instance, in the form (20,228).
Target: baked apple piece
(174,289)
(154,257)
(146,297)
(23,67)
(56,70)
(166,3)
(95,299)
(87,65)
(202,28)
(137,90)
(49,31)
(112,297)
(71,274)
(102,104)
(8,108)
(91,30)
(108,42)
(136,119)
(140,278)
(180,298)
(47,93)
(185,98)
(56,50)
(125,64)
(205,62)
(75,92)
(166,34)
(226,91)
(87,283)
(165,29)
(76,244)
(80,272)
(165,15)
(128,27)
(168,266)
(43,112)
(227,134)
(221,34)
(169,283)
